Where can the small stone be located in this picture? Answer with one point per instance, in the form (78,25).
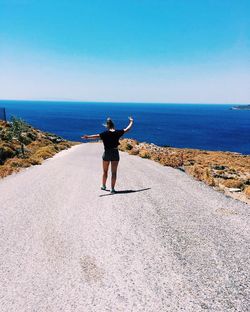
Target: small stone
(234,189)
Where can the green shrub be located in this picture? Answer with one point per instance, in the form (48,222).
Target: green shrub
(129,146)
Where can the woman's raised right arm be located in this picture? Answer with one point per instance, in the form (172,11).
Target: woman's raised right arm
(131,121)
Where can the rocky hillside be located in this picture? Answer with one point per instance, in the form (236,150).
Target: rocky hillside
(225,171)
(21,146)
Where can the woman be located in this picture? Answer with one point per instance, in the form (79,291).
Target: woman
(110,139)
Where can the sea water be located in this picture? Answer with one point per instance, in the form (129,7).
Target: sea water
(201,126)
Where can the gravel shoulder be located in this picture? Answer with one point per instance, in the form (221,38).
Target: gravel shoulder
(165,242)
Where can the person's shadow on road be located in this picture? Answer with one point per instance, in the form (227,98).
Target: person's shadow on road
(125,191)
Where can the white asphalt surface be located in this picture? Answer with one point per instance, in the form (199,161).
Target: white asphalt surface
(165,243)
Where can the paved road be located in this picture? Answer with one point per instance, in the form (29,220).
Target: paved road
(164,243)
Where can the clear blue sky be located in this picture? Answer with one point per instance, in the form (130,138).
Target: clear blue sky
(132,50)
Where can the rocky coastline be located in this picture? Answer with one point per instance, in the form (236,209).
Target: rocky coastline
(241,107)
(227,172)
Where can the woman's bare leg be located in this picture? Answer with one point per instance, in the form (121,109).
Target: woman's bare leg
(105,165)
(114,165)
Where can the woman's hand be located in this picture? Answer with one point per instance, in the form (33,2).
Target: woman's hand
(131,121)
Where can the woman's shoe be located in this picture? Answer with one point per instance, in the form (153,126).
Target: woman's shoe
(103,188)
(112,191)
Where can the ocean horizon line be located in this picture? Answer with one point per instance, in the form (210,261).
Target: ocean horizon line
(117,102)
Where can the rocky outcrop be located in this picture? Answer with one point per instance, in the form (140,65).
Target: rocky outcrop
(241,107)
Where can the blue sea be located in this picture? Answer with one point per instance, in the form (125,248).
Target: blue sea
(202,126)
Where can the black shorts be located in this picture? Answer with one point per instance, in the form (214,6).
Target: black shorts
(111,154)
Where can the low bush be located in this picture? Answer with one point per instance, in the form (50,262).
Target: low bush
(133,151)
(45,152)
(247,191)
(144,154)
(6,151)
(232,183)
(129,146)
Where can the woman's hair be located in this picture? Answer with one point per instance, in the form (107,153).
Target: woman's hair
(109,124)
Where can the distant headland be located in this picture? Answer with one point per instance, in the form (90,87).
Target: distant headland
(241,107)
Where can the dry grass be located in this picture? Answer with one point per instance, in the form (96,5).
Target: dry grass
(144,154)
(247,191)
(233,183)
(201,173)
(45,152)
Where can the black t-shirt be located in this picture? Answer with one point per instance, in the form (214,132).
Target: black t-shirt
(111,138)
